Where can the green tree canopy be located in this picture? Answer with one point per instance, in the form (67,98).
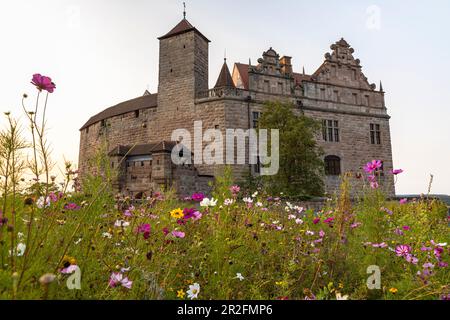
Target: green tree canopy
(301,164)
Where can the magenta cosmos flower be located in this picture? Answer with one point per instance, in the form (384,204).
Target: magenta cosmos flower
(198,197)
(43,83)
(370,167)
(403,201)
(145,229)
(396,171)
(402,250)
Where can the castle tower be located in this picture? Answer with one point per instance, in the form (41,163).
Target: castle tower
(183,68)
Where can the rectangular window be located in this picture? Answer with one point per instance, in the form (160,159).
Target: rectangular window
(336,95)
(355,98)
(280,87)
(375,133)
(366,100)
(256,115)
(136,114)
(354,74)
(322,93)
(330,130)
(103,123)
(266,86)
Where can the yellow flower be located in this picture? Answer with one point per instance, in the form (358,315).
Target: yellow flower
(341,285)
(393,290)
(177,213)
(281,283)
(181,294)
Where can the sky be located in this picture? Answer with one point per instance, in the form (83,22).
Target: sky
(102,52)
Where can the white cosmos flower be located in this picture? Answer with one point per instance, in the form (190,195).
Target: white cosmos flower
(247,200)
(208,202)
(121,223)
(341,297)
(239,276)
(107,235)
(259,204)
(193,291)
(255,194)
(298,221)
(228,202)
(20,249)
(40,202)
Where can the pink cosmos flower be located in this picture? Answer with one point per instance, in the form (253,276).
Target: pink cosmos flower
(380,245)
(321,233)
(117,279)
(402,250)
(403,201)
(197,215)
(316,220)
(71,206)
(70,269)
(53,197)
(43,83)
(406,228)
(355,225)
(198,197)
(396,172)
(411,259)
(235,189)
(178,234)
(145,229)
(374,185)
(370,167)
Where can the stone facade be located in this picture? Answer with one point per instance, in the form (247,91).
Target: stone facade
(353,113)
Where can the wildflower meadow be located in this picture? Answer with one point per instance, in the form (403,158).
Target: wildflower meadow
(79,240)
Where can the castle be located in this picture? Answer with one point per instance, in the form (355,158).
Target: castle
(137,133)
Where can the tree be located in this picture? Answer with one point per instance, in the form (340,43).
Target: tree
(301,166)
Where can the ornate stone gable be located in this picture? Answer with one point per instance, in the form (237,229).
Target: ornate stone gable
(341,68)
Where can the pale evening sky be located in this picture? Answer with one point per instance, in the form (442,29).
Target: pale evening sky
(102,52)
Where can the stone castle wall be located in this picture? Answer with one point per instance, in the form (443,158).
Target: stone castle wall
(337,91)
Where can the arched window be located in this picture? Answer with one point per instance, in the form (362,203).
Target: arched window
(332,165)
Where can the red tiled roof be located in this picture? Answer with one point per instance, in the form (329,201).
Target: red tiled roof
(300,77)
(224,79)
(182,27)
(243,71)
(144,102)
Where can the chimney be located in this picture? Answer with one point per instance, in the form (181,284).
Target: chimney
(286,65)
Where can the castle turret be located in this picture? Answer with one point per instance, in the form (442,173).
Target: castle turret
(183,67)
(225,79)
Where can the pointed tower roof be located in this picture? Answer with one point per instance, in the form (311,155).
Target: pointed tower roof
(225,79)
(183,27)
